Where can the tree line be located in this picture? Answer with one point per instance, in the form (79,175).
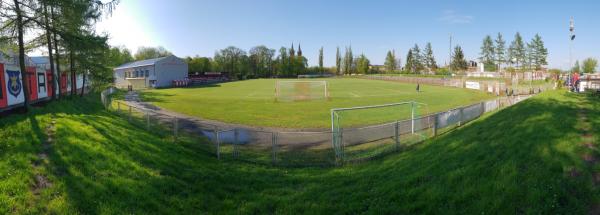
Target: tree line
(520,55)
(65,29)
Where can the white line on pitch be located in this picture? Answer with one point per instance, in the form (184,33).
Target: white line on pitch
(354,94)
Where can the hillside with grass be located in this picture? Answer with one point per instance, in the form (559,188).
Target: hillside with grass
(74,157)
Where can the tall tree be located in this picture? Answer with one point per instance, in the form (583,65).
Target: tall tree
(362,64)
(410,62)
(390,62)
(516,51)
(321,60)
(458,60)
(348,60)
(144,53)
(417,59)
(589,65)
(261,59)
(283,62)
(429,59)
(500,51)
(539,52)
(487,55)
(233,62)
(338,61)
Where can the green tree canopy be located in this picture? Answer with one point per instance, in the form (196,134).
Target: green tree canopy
(458,60)
(362,64)
(390,62)
(516,51)
(429,59)
(589,65)
(487,55)
(144,53)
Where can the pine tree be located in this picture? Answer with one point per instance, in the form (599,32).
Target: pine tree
(540,53)
(458,60)
(410,63)
(500,50)
(516,51)
(417,59)
(390,62)
(429,58)
(487,53)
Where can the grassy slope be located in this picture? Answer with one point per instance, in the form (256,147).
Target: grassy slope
(252,102)
(515,161)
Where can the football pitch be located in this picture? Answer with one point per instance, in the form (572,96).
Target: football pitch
(253,102)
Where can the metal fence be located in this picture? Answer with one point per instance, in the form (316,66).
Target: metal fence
(491,86)
(300,149)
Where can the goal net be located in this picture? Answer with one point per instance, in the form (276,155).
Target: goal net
(301,90)
(362,132)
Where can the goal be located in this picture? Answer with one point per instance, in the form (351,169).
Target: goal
(358,132)
(301,90)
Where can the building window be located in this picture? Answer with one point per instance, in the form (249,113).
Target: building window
(41,82)
(147,73)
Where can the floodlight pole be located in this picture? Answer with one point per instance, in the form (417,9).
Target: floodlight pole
(571,30)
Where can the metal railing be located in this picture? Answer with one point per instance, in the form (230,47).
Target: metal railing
(299,149)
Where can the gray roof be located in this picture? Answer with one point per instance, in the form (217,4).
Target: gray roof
(140,63)
(40,60)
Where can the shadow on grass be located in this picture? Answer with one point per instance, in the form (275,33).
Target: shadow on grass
(517,160)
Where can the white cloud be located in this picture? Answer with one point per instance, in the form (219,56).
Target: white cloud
(452,17)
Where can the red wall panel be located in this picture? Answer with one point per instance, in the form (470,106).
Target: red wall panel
(32,82)
(49,83)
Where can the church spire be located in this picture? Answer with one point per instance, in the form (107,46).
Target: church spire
(292,51)
(299,50)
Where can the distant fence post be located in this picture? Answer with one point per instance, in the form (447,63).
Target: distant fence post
(412,118)
(129,118)
(460,121)
(235,143)
(274,148)
(435,122)
(482,108)
(397,135)
(148,120)
(175,127)
(217,143)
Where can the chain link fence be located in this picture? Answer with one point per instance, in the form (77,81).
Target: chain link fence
(496,87)
(302,149)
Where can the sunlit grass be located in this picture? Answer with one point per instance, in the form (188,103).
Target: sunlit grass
(517,160)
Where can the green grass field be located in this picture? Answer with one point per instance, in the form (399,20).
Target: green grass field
(252,102)
(525,159)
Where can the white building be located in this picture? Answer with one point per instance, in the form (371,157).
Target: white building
(158,72)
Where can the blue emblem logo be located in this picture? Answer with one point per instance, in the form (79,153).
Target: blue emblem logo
(14,83)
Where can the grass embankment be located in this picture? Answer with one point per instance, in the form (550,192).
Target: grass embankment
(523,159)
(252,102)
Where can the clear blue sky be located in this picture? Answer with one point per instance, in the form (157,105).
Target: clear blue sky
(192,27)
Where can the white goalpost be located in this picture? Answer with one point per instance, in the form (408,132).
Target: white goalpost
(301,90)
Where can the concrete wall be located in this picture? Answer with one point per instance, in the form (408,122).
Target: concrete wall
(169,69)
